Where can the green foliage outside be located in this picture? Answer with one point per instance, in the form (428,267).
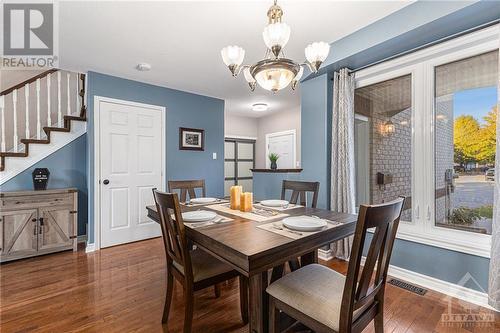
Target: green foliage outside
(467,216)
(474,142)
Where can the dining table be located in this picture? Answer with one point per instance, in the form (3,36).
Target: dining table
(259,254)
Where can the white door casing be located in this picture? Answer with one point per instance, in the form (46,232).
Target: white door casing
(131,160)
(283,144)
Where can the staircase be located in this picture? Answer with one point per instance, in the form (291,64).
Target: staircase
(42,108)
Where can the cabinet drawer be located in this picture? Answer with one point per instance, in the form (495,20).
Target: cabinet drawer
(42,200)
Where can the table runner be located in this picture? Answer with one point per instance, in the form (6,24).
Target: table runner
(278,228)
(258,215)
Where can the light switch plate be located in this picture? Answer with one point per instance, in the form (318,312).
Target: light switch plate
(214,156)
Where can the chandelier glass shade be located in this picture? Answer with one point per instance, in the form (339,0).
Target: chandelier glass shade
(275,72)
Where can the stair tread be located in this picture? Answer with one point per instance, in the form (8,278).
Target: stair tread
(12,154)
(77,118)
(44,141)
(56,129)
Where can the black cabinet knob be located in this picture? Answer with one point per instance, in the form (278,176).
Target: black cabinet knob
(105,181)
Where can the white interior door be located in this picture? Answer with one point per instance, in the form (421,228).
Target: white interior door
(283,144)
(131,156)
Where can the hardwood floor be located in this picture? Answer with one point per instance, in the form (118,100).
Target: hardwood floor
(121,289)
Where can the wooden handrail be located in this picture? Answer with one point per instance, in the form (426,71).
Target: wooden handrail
(31,80)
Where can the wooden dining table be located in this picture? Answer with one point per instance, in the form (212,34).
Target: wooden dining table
(254,252)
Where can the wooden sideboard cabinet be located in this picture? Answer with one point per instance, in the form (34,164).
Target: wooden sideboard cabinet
(37,222)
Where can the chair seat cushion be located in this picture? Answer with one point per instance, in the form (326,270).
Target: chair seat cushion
(314,290)
(204,265)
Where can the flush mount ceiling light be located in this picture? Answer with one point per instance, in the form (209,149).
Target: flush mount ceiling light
(143,67)
(274,72)
(260,107)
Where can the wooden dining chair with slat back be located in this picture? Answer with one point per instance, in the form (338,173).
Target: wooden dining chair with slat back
(327,301)
(187,187)
(299,191)
(194,269)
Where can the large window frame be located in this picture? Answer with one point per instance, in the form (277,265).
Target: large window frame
(421,65)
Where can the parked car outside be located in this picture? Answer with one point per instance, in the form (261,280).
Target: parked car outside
(490,174)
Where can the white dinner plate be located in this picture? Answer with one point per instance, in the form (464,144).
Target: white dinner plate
(304,223)
(202,200)
(198,216)
(274,203)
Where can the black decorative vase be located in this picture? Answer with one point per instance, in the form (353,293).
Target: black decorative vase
(40,178)
(274,166)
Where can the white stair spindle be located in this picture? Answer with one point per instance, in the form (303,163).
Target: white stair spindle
(77,100)
(26,109)
(59,112)
(2,109)
(14,110)
(38,124)
(49,118)
(69,95)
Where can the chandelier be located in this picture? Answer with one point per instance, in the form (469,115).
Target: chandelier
(274,72)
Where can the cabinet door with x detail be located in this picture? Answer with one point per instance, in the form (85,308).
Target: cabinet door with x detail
(18,233)
(56,228)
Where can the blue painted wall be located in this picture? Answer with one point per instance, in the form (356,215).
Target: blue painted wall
(67,168)
(183,110)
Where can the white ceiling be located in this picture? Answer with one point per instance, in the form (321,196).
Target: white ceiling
(182,41)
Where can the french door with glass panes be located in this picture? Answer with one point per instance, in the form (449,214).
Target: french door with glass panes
(239,159)
(425,129)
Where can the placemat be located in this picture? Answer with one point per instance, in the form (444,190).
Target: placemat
(189,204)
(259,215)
(219,219)
(278,228)
(280,209)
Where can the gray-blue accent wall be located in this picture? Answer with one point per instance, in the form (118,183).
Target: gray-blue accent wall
(67,168)
(183,109)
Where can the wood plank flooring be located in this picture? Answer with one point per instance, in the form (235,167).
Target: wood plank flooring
(121,289)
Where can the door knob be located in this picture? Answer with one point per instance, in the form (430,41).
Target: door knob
(105,181)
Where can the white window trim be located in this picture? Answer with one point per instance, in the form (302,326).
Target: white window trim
(421,65)
(294,135)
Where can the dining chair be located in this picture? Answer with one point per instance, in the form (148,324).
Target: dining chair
(187,187)
(327,301)
(194,269)
(300,189)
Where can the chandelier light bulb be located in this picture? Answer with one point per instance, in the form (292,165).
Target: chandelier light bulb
(276,35)
(233,57)
(316,53)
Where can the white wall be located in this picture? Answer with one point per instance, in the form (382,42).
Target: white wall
(259,127)
(240,126)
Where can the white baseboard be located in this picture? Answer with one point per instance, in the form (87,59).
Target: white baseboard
(325,254)
(444,287)
(90,248)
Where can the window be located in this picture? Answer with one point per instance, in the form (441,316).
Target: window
(239,158)
(465,142)
(384,142)
(425,128)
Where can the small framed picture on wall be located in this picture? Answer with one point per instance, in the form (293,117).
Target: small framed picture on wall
(191,139)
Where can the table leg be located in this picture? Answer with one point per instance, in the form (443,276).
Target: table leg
(258,303)
(309,258)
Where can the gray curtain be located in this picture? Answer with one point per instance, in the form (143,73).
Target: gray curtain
(494,280)
(342,159)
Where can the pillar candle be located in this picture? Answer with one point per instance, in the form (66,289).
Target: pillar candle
(235,193)
(246,202)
